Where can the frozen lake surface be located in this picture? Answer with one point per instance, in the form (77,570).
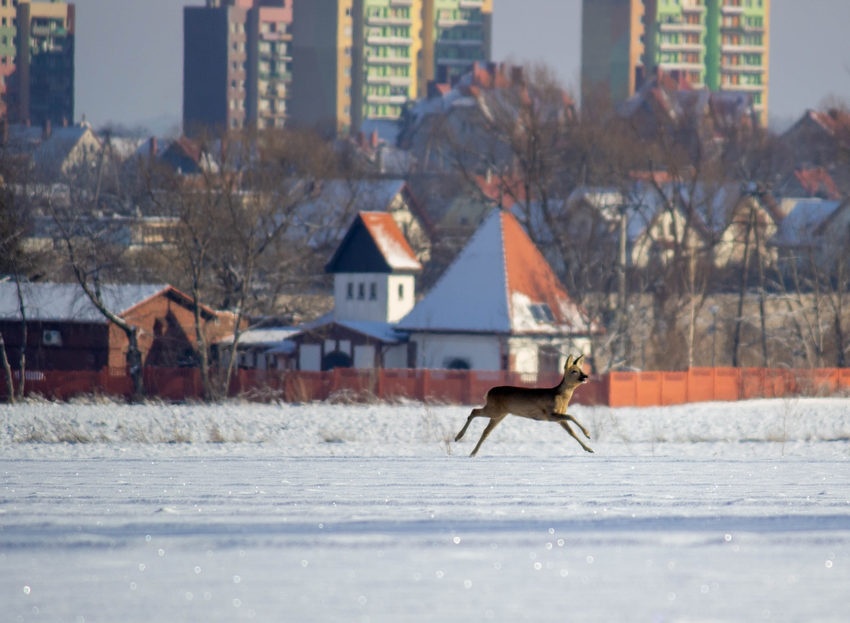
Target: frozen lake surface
(705,512)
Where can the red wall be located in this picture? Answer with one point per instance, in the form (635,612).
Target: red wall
(615,389)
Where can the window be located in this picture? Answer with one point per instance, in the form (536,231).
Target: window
(541,312)
(349,291)
(373,291)
(361,291)
(401,292)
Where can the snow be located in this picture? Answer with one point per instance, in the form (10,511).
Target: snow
(333,512)
(471,295)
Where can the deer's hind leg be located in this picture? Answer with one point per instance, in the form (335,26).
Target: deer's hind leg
(487,430)
(480,412)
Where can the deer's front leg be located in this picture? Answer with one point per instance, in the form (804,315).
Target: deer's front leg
(567,428)
(566,417)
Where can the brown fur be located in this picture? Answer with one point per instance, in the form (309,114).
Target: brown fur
(538,403)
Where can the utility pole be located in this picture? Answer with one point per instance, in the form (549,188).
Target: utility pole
(622,324)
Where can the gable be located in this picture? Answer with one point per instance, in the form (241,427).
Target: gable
(499,283)
(373,244)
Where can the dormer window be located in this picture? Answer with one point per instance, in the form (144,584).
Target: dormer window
(541,312)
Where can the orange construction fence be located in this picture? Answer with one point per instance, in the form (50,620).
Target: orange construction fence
(615,389)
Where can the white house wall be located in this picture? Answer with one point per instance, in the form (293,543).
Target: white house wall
(396,356)
(373,297)
(364,357)
(310,357)
(480,352)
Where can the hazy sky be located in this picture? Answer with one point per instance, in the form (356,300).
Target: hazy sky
(129,63)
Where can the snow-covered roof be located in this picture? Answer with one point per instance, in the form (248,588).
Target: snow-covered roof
(67,301)
(384,331)
(259,337)
(374,243)
(499,283)
(799,226)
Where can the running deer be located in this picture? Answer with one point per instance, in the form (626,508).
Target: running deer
(547,404)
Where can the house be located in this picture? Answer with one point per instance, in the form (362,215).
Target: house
(65,331)
(333,202)
(65,149)
(807,181)
(261,348)
(663,214)
(818,137)
(499,306)
(185,156)
(374,271)
(696,119)
(452,127)
(813,236)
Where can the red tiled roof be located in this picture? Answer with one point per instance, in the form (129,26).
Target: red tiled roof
(499,283)
(390,241)
(529,274)
(817,181)
(501,189)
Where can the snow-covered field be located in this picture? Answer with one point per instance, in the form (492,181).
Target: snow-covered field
(320,512)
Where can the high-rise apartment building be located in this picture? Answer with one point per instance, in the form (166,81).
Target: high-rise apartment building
(322,63)
(456,34)
(358,60)
(37,61)
(719,44)
(237,65)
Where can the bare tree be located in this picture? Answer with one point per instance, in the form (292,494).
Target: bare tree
(240,235)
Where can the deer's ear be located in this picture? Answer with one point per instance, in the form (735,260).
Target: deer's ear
(569,362)
(578,360)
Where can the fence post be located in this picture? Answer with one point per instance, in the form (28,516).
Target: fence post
(379,384)
(424,383)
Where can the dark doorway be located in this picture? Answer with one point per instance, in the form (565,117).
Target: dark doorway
(336,359)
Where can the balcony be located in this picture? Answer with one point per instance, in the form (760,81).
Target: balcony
(741,48)
(453,22)
(471,4)
(749,88)
(681,27)
(395,81)
(470,42)
(681,47)
(382,40)
(731,10)
(456,62)
(388,60)
(741,69)
(373,20)
(667,65)
(401,2)
(386,99)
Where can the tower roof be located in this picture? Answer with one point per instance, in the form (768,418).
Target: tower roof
(373,244)
(499,283)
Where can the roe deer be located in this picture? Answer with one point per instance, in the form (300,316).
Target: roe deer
(548,404)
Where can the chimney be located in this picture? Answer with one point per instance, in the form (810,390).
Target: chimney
(154,148)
